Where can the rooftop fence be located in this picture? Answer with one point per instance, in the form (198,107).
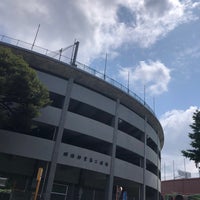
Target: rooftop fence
(58,56)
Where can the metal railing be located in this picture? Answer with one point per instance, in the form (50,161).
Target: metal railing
(68,60)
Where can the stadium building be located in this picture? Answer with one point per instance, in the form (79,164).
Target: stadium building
(97,140)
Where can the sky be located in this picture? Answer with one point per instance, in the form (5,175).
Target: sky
(151,46)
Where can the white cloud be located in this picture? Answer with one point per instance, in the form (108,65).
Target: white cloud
(157,18)
(175,124)
(94,23)
(196,5)
(155,76)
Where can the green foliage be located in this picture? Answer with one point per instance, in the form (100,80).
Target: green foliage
(194,197)
(194,152)
(21,93)
(5,190)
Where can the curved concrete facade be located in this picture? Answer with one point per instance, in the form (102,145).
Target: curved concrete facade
(92,139)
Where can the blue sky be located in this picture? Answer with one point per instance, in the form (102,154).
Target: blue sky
(155,42)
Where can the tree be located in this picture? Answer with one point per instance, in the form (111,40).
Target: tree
(21,93)
(194,152)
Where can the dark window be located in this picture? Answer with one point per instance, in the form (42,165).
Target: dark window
(57,100)
(151,194)
(72,155)
(159,154)
(90,112)
(152,144)
(58,188)
(87,142)
(151,167)
(65,154)
(128,156)
(130,130)
(85,158)
(43,130)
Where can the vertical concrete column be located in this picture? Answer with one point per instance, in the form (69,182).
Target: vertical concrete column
(113,154)
(55,153)
(145,157)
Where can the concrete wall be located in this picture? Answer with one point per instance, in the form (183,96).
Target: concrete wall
(89,127)
(25,145)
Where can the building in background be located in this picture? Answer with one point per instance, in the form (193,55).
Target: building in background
(92,139)
(186,186)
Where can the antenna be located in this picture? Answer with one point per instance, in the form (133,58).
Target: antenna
(128,80)
(60,53)
(72,51)
(75,52)
(104,75)
(35,37)
(164,172)
(154,107)
(173,171)
(185,168)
